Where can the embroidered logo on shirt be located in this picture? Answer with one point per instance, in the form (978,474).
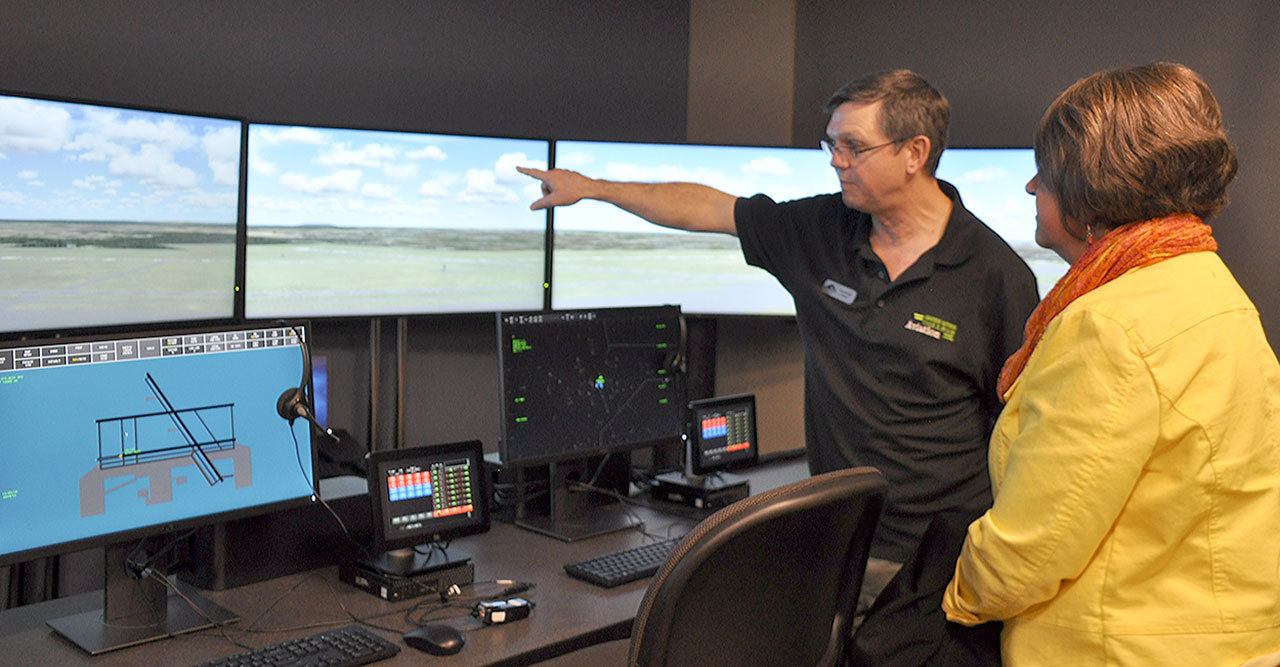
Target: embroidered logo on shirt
(839,292)
(932,326)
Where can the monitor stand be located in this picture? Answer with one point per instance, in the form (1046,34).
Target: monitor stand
(573,516)
(136,611)
(410,563)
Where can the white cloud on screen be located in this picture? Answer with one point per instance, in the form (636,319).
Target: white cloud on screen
(225,201)
(95,182)
(379,191)
(482,187)
(620,171)
(27,126)
(342,154)
(574,160)
(106,135)
(426,153)
(292,135)
(400,171)
(259,164)
(533,191)
(437,187)
(153,165)
(28,175)
(222,149)
(505,167)
(767,167)
(984,175)
(343,180)
(11,198)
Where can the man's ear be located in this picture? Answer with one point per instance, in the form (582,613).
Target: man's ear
(917,150)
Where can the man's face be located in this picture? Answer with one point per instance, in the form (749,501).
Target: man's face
(869,171)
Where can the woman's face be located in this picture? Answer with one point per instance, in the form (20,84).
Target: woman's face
(1051,233)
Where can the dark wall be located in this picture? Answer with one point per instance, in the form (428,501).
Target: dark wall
(1002,62)
(535,67)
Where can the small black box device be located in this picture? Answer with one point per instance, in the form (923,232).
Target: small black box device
(393,587)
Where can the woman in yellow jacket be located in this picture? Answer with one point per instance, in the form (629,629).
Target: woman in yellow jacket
(1136,464)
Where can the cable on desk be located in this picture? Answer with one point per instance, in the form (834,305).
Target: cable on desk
(628,501)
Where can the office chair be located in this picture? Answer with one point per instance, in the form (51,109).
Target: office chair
(772,579)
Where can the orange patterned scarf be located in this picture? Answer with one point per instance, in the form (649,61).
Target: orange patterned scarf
(1122,249)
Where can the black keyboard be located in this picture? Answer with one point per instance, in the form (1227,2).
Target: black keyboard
(350,645)
(624,566)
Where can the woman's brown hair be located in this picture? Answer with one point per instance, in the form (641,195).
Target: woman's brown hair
(1133,144)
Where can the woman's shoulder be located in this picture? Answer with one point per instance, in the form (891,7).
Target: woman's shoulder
(1156,302)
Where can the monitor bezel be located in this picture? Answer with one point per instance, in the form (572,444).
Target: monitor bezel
(472,449)
(702,467)
(237,285)
(132,534)
(504,421)
(246,288)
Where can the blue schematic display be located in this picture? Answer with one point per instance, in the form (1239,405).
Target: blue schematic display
(116,435)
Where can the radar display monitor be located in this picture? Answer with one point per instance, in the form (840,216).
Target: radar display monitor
(422,496)
(112,215)
(580,383)
(116,438)
(722,433)
(351,222)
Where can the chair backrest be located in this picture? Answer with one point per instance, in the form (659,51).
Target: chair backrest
(772,579)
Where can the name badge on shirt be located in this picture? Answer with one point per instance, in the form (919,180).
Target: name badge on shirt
(839,292)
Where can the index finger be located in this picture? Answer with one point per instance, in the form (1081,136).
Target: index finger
(530,171)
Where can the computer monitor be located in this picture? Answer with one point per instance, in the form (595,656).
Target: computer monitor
(992,182)
(606,257)
(349,222)
(580,384)
(112,215)
(722,433)
(111,439)
(423,496)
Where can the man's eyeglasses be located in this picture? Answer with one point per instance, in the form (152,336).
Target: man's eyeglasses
(847,150)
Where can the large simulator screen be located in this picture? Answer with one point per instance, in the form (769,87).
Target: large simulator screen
(115,216)
(580,383)
(112,435)
(345,222)
(606,257)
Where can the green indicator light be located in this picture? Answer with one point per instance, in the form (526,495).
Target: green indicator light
(662,401)
(662,346)
(663,385)
(519,399)
(659,326)
(599,382)
(662,371)
(546,285)
(521,420)
(519,345)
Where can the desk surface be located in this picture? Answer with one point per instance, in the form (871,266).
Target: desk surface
(569,612)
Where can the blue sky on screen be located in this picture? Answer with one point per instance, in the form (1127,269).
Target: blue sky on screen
(781,173)
(65,161)
(367,178)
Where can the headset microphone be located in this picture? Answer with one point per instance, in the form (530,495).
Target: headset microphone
(293,403)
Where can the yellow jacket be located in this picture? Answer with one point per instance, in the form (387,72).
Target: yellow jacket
(1136,471)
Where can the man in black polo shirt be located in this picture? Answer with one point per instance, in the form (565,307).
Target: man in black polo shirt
(907,304)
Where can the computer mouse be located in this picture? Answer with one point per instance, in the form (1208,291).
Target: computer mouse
(436,639)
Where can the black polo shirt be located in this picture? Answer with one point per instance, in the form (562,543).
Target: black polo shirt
(899,375)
